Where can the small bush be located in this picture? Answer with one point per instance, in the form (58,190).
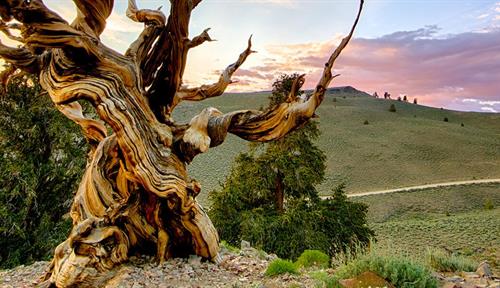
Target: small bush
(332,225)
(280,266)
(229,247)
(313,258)
(366,122)
(400,271)
(488,204)
(445,119)
(323,279)
(444,262)
(392,108)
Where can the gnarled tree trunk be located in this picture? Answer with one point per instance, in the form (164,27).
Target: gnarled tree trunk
(136,195)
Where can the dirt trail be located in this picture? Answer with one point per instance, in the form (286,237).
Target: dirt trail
(421,187)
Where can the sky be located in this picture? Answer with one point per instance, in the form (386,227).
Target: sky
(446,53)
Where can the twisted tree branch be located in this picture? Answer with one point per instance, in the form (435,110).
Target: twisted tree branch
(215,89)
(91,15)
(21,58)
(276,122)
(200,39)
(154,23)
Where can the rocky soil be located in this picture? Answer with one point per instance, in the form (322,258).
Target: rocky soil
(244,268)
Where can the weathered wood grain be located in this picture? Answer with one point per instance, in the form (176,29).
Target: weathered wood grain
(136,195)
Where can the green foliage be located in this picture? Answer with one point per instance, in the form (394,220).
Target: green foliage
(229,247)
(42,158)
(280,266)
(286,171)
(281,87)
(313,258)
(488,204)
(401,271)
(323,279)
(445,262)
(392,108)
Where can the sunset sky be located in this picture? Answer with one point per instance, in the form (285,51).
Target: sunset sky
(445,52)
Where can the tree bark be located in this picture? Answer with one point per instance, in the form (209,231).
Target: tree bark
(279,193)
(136,192)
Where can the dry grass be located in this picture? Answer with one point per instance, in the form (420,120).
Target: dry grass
(452,219)
(412,146)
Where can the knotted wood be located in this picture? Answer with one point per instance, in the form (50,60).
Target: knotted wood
(136,195)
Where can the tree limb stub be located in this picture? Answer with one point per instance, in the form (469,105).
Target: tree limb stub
(200,39)
(147,16)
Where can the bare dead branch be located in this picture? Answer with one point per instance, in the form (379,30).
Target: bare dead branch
(164,68)
(21,58)
(91,15)
(44,28)
(217,88)
(276,122)
(147,16)
(327,76)
(93,130)
(200,39)
(154,21)
(296,86)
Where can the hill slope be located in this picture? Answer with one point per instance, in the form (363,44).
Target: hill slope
(412,146)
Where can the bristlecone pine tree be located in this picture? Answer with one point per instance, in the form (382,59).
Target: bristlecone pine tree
(135,193)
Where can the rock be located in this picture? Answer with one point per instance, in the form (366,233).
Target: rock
(194,260)
(451,285)
(484,270)
(245,244)
(470,276)
(454,279)
(438,276)
(252,253)
(271,257)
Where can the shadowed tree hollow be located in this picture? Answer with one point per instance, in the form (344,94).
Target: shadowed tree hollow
(135,193)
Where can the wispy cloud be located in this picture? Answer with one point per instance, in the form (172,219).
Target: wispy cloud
(436,70)
(489,109)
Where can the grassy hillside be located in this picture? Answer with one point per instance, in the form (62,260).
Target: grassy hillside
(431,203)
(411,146)
(455,219)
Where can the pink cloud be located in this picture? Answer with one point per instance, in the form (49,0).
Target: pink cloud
(439,71)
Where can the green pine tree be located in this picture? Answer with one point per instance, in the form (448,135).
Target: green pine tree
(42,158)
(270,198)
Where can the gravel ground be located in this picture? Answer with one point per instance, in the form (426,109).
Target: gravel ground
(243,269)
